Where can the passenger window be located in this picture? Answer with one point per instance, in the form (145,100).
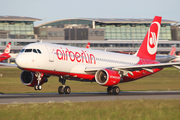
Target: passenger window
(39,51)
(34,50)
(28,50)
(22,50)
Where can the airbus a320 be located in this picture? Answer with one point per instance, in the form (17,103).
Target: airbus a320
(41,60)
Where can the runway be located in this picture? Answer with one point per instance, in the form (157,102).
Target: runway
(82,97)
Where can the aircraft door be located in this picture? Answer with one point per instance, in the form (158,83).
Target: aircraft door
(51,53)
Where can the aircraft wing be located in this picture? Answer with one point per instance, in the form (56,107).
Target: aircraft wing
(8,64)
(147,67)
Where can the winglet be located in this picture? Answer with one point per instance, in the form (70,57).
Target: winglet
(149,45)
(7,49)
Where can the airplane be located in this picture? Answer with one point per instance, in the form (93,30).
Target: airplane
(166,58)
(41,60)
(6,52)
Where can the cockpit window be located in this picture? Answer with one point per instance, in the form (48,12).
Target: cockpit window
(31,50)
(39,51)
(34,50)
(22,50)
(28,50)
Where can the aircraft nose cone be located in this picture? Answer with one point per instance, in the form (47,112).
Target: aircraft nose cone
(19,61)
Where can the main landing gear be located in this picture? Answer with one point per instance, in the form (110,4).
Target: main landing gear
(39,77)
(113,90)
(63,89)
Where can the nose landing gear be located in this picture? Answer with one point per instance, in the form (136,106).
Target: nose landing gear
(39,77)
(37,87)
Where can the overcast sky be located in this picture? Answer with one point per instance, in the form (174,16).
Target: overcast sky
(50,10)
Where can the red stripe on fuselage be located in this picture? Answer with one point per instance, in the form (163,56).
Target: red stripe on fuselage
(141,73)
(136,74)
(58,73)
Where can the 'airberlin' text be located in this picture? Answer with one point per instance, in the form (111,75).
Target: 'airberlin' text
(82,56)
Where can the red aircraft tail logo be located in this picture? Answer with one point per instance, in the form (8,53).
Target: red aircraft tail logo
(173,51)
(7,49)
(149,45)
(88,45)
(152,38)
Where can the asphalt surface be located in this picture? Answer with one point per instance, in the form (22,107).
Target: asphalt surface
(82,97)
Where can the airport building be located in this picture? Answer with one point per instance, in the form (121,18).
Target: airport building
(175,30)
(101,29)
(103,34)
(16,27)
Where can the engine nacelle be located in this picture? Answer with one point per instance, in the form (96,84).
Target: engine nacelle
(29,79)
(107,77)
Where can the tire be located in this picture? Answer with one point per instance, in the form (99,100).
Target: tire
(67,90)
(39,87)
(116,90)
(61,90)
(110,90)
(36,87)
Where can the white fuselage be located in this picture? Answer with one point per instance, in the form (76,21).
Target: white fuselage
(69,59)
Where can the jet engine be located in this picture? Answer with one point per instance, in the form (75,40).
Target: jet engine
(29,79)
(107,77)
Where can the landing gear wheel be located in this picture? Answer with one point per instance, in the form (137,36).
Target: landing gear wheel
(116,90)
(36,87)
(61,90)
(110,90)
(67,90)
(39,87)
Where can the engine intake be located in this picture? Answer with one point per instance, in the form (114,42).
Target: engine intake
(107,77)
(29,79)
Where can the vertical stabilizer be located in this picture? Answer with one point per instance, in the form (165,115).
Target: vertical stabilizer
(173,51)
(88,45)
(149,45)
(7,49)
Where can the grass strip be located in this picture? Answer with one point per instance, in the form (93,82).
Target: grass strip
(99,110)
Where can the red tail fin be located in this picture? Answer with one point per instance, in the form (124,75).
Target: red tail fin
(7,49)
(172,52)
(149,45)
(88,45)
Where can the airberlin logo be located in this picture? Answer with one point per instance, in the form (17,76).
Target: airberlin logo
(152,38)
(7,50)
(115,77)
(83,56)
